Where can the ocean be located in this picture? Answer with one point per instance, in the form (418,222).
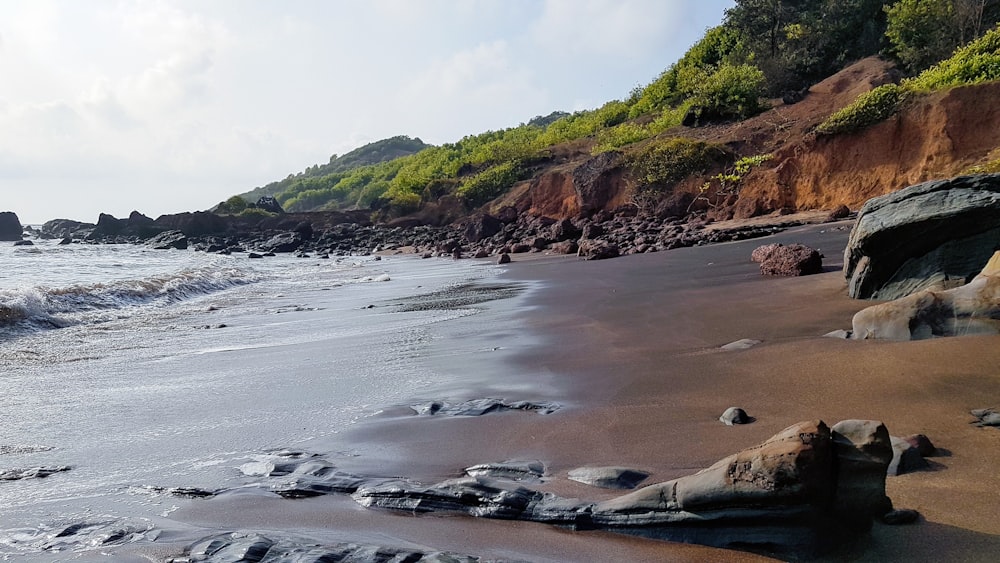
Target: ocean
(125,371)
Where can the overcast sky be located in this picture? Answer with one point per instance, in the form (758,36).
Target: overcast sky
(170,106)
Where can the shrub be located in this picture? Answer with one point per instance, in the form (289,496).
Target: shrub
(619,136)
(732,91)
(977,62)
(255,212)
(672,160)
(870,108)
(490,183)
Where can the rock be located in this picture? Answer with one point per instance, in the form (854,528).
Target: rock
(66,228)
(592,231)
(482,226)
(168,240)
(504,259)
(763,252)
(905,458)
(520,248)
(841,212)
(481,253)
(269,204)
(735,415)
(742,344)
(597,250)
(863,450)
(901,517)
(23,243)
(923,236)
(479,407)
(565,247)
(839,333)
(791,260)
(10,226)
(305,229)
(65,241)
(514,470)
(254,255)
(565,230)
(609,477)
(923,444)
(108,225)
(31,473)
(986,417)
(284,242)
(136,219)
(970,309)
(253,547)
(507,214)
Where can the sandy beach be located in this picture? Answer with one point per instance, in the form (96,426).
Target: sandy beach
(630,349)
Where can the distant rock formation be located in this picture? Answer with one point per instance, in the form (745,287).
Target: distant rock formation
(970,309)
(930,235)
(10,226)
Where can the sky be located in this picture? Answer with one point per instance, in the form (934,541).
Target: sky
(166,106)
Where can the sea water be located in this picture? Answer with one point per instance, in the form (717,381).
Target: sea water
(128,371)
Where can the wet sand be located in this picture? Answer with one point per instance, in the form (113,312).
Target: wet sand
(629,347)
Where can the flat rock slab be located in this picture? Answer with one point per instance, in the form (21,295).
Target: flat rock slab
(479,407)
(742,344)
(513,470)
(608,477)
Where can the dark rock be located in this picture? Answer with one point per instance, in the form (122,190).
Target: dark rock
(254,255)
(597,250)
(592,231)
(66,228)
(168,240)
(108,225)
(481,253)
(901,517)
(136,219)
(905,458)
(598,180)
(482,226)
(609,477)
(65,241)
(504,259)
(735,415)
(539,243)
(841,212)
(269,204)
(863,450)
(790,97)
(305,229)
(10,226)
(252,547)
(792,260)
(284,242)
(565,230)
(520,248)
(922,444)
(507,214)
(479,407)
(933,234)
(23,243)
(565,247)
(31,473)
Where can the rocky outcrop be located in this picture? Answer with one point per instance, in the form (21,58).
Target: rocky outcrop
(789,261)
(168,240)
(254,547)
(284,242)
(931,235)
(66,228)
(10,226)
(608,477)
(970,309)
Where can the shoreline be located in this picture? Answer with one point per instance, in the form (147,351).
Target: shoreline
(630,349)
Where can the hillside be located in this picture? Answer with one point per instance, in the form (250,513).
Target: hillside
(704,138)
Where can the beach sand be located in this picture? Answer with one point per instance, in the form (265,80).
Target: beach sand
(630,348)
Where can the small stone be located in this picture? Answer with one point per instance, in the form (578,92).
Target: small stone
(504,259)
(901,517)
(735,415)
(742,344)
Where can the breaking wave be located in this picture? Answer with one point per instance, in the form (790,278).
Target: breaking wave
(40,307)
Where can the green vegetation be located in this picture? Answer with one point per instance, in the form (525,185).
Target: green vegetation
(761,48)
(975,63)
(725,184)
(870,108)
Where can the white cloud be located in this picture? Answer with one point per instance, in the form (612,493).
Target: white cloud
(605,28)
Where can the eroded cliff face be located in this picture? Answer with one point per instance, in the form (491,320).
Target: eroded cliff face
(937,136)
(934,136)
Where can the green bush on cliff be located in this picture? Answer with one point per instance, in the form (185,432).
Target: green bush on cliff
(870,108)
(490,183)
(975,63)
(664,162)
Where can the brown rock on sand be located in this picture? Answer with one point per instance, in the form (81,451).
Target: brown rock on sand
(791,260)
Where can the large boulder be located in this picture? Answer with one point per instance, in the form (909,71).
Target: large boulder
(196,224)
(168,240)
(970,309)
(924,236)
(284,242)
(66,228)
(10,226)
(482,226)
(791,260)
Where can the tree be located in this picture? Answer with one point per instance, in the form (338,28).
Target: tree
(921,32)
